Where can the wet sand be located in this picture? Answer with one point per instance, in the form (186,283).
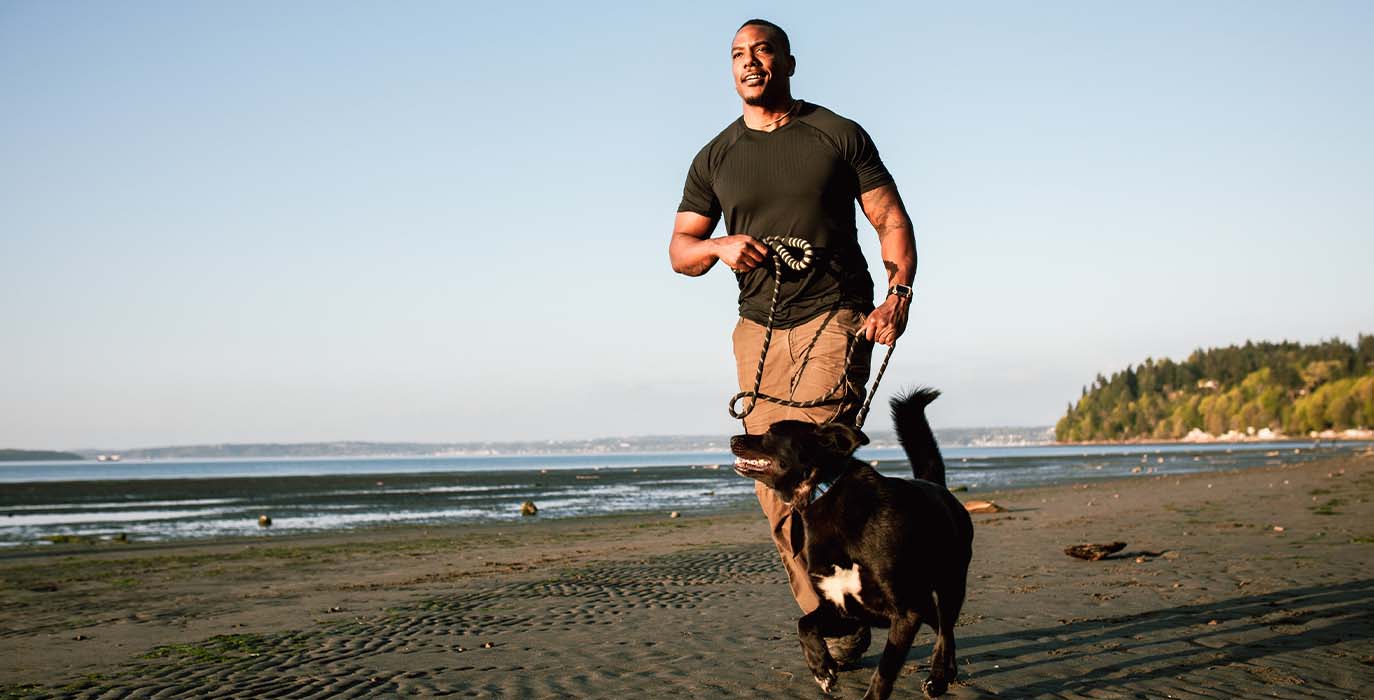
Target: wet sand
(1232,585)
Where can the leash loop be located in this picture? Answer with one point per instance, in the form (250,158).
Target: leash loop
(781,247)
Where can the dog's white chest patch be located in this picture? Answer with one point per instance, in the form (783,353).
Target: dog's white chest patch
(836,585)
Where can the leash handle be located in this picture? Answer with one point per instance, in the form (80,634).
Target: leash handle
(780,246)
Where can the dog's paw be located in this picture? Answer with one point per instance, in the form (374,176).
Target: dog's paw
(826,680)
(935,687)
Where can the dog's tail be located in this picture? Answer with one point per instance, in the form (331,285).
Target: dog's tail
(913,430)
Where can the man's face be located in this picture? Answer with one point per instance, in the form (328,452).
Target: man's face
(761,70)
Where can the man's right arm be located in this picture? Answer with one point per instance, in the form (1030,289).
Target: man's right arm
(693,252)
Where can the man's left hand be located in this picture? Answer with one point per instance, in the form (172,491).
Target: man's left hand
(886,323)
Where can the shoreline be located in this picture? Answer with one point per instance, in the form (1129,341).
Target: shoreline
(64,515)
(367,534)
(1258,581)
(1247,440)
(387,532)
(886,436)
(33,513)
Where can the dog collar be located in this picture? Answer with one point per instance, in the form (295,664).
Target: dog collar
(822,487)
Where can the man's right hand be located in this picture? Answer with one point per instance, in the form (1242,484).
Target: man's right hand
(693,252)
(740,252)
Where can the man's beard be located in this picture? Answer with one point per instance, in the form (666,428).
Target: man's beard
(767,98)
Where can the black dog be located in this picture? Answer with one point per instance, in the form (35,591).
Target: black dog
(889,552)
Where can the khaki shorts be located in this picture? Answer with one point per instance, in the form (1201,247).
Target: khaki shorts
(799,370)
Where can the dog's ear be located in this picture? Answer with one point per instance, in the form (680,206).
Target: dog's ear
(840,438)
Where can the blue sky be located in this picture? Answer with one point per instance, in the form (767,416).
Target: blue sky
(231,222)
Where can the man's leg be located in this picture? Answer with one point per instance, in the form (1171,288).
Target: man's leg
(748,342)
(819,360)
(804,363)
(816,349)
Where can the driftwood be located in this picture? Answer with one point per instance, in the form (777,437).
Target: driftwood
(983,507)
(1093,552)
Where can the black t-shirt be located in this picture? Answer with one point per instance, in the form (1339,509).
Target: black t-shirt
(799,180)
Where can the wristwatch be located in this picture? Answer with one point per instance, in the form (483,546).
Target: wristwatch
(901,290)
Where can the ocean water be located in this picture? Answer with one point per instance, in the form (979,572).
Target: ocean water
(190,499)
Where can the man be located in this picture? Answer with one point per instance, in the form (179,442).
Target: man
(794,169)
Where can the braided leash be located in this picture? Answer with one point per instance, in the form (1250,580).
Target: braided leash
(782,255)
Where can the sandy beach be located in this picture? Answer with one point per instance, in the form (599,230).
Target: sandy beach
(1248,584)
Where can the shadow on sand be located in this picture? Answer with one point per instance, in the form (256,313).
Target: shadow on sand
(1246,629)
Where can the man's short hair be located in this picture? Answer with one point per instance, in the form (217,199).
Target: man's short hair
(785,43)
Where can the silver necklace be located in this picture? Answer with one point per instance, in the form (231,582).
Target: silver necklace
(785,115)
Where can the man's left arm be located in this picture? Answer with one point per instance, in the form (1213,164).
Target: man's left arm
(884,209)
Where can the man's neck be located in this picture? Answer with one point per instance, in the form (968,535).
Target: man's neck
(767,117)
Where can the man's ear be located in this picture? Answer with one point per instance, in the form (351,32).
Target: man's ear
(792,66)
(840,438)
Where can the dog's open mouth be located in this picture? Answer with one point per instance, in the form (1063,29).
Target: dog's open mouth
(745,465)
(749,461)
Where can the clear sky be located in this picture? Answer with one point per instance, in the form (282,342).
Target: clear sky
(250,222)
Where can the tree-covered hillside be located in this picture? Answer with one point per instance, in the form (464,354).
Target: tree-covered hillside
(1287,387)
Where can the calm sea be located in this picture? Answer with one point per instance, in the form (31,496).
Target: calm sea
(188,499)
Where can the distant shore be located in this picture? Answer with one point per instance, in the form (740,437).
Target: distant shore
(1352,435)
(955,436)
(13,455)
